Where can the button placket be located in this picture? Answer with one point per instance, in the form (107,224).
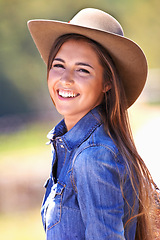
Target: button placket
(61,141)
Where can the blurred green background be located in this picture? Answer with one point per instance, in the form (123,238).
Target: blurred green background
(27,114)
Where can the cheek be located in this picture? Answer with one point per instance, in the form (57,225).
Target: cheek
(97,86)
(51,79)
(49,83)
(51,89)
(50,75)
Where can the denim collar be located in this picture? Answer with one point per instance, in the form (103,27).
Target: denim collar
(80,132)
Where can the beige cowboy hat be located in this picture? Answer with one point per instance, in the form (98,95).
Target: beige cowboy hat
(128,57)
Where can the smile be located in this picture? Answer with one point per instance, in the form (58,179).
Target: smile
(67,94)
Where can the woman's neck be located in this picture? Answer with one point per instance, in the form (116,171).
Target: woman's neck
(70,122)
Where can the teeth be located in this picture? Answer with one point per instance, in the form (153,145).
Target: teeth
(66,94)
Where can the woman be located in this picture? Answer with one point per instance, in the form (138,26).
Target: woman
(99,187)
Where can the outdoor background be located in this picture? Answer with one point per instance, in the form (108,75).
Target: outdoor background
(27,114)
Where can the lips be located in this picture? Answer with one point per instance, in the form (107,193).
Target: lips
(67,93)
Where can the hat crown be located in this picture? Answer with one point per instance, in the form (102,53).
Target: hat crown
(97,19)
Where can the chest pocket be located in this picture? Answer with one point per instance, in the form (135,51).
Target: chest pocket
(53,206)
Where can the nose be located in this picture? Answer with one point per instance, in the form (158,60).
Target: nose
(67,78)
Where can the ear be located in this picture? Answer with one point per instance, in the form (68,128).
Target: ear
(107,87)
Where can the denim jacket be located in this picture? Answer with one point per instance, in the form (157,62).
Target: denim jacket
(85,200)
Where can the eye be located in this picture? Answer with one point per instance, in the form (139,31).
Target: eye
(57,65)
(83,70)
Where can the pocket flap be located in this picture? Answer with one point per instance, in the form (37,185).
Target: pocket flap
(58,188)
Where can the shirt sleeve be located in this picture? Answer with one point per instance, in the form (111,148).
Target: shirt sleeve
(97,177)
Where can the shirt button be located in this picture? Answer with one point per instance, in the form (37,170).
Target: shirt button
(60,140)
(61,146)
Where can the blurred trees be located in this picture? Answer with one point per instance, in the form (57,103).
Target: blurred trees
(23,85)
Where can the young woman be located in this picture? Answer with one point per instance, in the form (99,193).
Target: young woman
(99,187)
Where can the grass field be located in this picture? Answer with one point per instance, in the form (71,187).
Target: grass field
(24,154)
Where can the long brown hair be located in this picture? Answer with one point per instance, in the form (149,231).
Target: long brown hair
(116,122)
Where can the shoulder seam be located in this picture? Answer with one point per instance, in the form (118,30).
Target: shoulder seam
(75,157)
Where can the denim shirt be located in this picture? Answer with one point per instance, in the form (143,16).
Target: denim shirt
(85,200)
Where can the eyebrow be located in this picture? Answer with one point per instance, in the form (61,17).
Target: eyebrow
(59,59)
(78,63)
(84,64)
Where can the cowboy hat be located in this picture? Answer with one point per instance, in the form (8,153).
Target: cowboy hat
(95,24)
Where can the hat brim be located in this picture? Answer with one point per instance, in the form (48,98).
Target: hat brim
(128,57)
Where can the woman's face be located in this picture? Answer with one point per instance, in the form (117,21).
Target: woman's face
(75,80)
